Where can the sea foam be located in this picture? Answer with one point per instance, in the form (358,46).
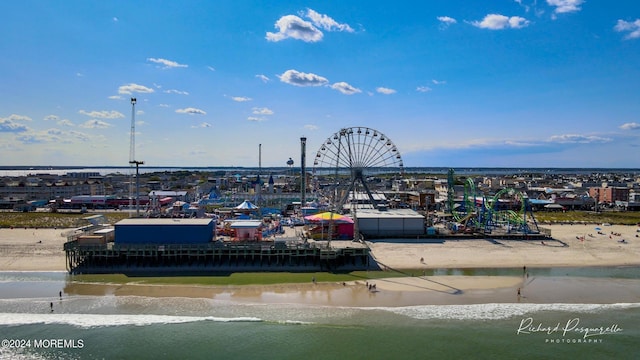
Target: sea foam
(496,311)
(100,320)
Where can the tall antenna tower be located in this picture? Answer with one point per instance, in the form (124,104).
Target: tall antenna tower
(132,139)
(133,161)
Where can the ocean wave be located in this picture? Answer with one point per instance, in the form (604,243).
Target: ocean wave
(496,311)
(293,322)
(33,276)
(100,320)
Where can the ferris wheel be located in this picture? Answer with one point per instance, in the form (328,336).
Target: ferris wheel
(354,153)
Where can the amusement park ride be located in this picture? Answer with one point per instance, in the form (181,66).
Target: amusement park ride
(508,209)
(352,154)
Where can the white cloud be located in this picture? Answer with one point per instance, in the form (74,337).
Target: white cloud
(174,91)
(115,97)
(262,111)
(254,118)
(51,117)
(65,122)
(164,105)
(55,135)
(16,117)
(632,28)
(291,26)
(294,77)
(311,127)
(438,82)
(565,6)
(115,19)
(241,98)
(102,114)
(345,88)
(38,138)
(386,91)
(54,131)
(167,64)
(211,68)
(11,123)
(446,21)
(202,125)
(500,22)
(630,126)
(133,88)
(80,135)
(423,89)
(580,139)
(520,3)
(327,23)
(294,27)
(262,77)
(95,124)
(7,125)
(191,111)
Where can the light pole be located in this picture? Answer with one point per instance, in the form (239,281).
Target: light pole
(137,163)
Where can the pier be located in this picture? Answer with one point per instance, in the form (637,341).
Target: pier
(218,256)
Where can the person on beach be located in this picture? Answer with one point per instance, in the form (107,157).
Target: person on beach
(51,306)
(60,294)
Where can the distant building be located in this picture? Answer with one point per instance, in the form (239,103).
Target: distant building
(609,194)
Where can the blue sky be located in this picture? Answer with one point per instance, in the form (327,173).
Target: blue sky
(502,83)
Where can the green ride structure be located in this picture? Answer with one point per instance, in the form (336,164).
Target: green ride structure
(508,210)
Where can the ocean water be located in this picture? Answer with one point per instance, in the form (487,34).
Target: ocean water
(141,327)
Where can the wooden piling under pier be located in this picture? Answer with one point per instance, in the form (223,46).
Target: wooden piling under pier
(217,256)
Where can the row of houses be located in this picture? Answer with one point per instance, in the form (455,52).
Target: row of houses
(565,192)
(577,191)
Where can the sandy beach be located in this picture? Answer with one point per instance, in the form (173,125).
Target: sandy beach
(572,245)
(25,249)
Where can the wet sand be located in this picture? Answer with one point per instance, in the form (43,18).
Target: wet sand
(393,292)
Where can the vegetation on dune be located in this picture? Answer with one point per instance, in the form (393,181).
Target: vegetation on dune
(70,220)
(610,217)
(52,220)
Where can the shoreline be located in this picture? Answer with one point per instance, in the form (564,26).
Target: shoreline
(387,292)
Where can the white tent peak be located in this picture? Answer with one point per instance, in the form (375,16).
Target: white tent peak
(247,205)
